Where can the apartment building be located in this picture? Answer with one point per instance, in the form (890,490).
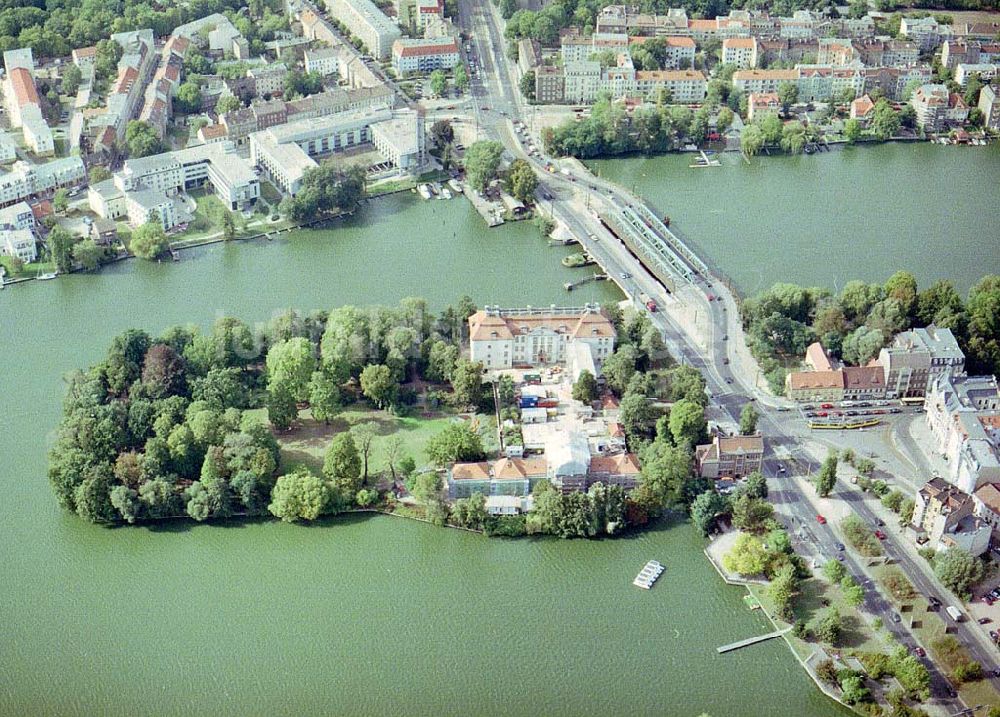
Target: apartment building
(17,237)
(917,358)
(550,85)
(943,518)
(926,32)
(762,103)
(366,22)
(504,338)
(936,107)
(964,72)
(730,457)
(285,152)
(989,105)
(25,180)
(23,103)
(324,60)
(148,184)
(424,55)
(963,414)
(738,51)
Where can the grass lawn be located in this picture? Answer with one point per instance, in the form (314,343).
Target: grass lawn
(269,193)
(33,269)
(815,594)
(307,443)
(928,627)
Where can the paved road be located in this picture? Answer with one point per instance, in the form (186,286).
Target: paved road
(494,88)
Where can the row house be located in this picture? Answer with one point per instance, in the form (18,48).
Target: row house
(956,52)
(679,51)
(986,507)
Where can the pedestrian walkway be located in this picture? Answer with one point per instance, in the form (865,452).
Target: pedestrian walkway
(752,641)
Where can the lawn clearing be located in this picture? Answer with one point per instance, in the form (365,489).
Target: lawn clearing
(307,443)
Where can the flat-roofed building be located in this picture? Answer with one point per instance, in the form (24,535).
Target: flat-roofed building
(400,140)
(366,22)
(27,180)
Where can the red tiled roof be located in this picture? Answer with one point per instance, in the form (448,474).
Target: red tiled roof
(24,87)
(430,49)
(740,42)
(213,131)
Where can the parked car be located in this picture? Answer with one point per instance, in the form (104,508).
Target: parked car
(896,617)
(920,651)
(781,469)
(880,535)
(841,546)
(984,621)
(993,635)
(826,405)
(821,520)
(988,600)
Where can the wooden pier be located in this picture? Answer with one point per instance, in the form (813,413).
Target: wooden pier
(752,641)
(570,285)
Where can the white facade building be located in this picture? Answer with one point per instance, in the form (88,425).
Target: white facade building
(424,55)
(367,23)
(503,338)
(26,180)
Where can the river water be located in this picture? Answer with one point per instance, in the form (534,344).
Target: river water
(354,616)
(822,220)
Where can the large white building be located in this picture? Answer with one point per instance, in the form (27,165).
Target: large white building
(366,22)
(149,184)
(963,414)
(23,104)
(286,152)
(504,338)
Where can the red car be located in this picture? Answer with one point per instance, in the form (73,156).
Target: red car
(920,651)
(987,599)
(826,405)
(821,520)
(711,297)
(880,535)
(822,414)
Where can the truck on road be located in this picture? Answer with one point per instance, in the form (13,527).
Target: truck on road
(954,613)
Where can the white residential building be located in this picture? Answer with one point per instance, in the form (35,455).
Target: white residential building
(8,148)
(963,414)
(503,338)
(324,60)
(18,243)
(738,51)
(144,205)
(23,102)
(986,71)
(26,180)
(366,22)
(925,31)
(424,55)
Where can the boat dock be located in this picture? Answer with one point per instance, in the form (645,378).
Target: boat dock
(570,285)
(649,574)
(704,160)
(752,641)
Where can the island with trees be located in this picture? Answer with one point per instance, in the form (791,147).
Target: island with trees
(211,425)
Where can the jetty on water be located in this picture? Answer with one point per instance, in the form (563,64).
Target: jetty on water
(649,574)
(752,640)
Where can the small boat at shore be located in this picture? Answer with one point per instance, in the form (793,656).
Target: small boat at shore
(649,574)
(47,277)
(425,191)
